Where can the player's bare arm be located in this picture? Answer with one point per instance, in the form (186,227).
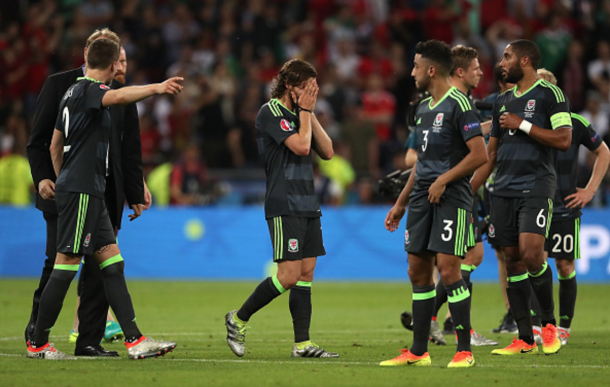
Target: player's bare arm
(392,219)
(322,144)
(582,196)
(57,150)
(132,94)
(560,138)
(300,143)
(481,174)
(473,160)
(485,128)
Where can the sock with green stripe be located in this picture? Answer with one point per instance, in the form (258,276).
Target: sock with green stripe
(264,293)
(52,300)
(542,285)
(567,299)
(459,305)
(440,299)
(299,303)
(466,272)
(519,292)
(118,296)
(535,311)
(423,307)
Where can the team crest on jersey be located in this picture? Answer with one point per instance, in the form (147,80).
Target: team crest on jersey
(87,240)
(104,87)
(407,240)
(438,121)
(492,231)
(293,245)
(531,105)
(285,125)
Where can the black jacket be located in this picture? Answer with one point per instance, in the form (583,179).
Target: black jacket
(125,158)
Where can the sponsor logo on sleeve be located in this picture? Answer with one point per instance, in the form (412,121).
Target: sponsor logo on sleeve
(471,125)
(104,87)
(285,125)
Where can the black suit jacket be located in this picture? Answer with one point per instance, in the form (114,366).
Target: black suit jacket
(125,152)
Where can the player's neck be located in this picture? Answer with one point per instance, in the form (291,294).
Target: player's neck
(455,82)
(98,75)
(438,90)
(287,101)
(526,82)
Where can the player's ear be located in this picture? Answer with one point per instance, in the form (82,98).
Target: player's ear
(525,60)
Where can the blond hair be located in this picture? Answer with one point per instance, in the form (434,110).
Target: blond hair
(103,33)
(547,76)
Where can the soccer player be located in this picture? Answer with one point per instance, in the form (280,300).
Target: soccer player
(286,132)
(449,148)
(529,122)
(465,76)
(123,182)
(79,151)
(563,242)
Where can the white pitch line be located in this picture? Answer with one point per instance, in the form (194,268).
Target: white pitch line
(331,362)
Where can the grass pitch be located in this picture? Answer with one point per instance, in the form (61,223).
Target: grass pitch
(358,320)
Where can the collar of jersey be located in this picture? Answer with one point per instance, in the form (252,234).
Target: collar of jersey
(528,90)
(89,79)
(282,105)
(442,99)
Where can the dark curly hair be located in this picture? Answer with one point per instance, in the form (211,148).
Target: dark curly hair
(294,73)
(437,52)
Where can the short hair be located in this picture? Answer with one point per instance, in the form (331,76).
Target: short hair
(462,57)
(294,72)
(103,33)
(102,53)
(437,52)
(523,47)
(547,76)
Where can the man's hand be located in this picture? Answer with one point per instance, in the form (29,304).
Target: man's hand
(510,121)
(436,190)
(147,197)
(392,219)
(307,99)
(137,211)
(46,188)
(579,199)
(170,86)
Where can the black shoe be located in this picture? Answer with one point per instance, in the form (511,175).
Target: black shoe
(406,319)
(508,325)
(29,333)
(94,351)
(448,328)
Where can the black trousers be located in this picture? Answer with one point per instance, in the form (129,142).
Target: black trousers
(94,305)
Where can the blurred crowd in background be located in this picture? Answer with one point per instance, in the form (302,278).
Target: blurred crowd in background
(199,148)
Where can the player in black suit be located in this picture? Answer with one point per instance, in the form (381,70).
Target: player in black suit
(124,181)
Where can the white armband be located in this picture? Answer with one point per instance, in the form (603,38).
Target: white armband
(525,126)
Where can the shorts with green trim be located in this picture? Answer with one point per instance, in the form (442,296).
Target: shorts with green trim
(513,216)
(474,231)
(83,223)
(564,239)
(437,228)
(294,238)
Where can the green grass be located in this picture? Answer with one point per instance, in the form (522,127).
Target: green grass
(358,320)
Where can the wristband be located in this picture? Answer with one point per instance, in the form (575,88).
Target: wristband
(525,126)
(305,110)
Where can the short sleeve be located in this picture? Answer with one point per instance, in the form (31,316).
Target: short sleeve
(94,95)
(495,130)
(558,108)
(589,137)
(411,142)
(467,120)
(272,122)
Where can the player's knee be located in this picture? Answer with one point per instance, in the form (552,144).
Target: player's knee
(116,268)
(564,267)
